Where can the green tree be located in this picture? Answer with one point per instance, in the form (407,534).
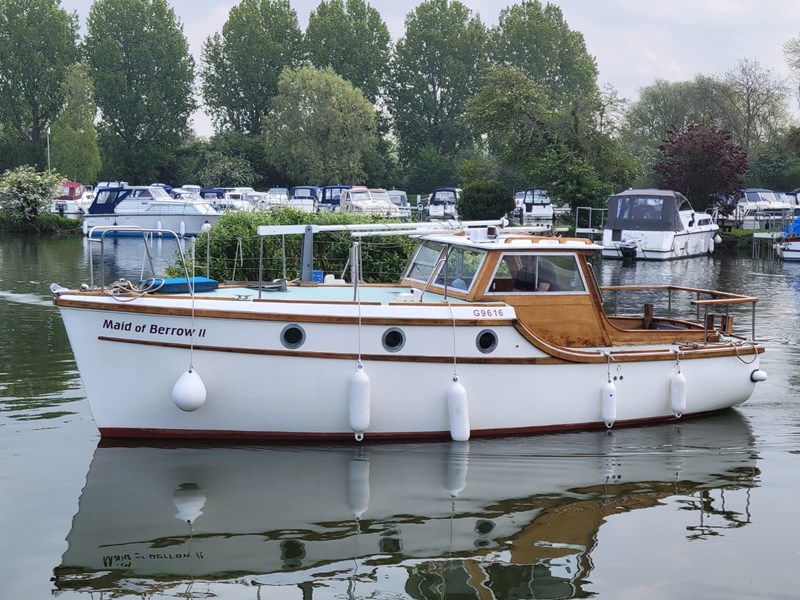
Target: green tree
(73,142)
(537,40)
(25,194)
(241,66)
(38,41)
(484,199)
(143,75)
(749,101)
(549,145)
(350,37)
(320,129)
(700,161)
(433,71)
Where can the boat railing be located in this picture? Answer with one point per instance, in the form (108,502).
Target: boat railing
(670,298)
(98,233)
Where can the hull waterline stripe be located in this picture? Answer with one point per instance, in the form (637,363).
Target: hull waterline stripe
(216,434)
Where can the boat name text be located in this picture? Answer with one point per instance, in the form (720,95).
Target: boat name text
(153,329)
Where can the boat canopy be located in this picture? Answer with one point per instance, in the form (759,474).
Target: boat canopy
(444,196)
(71,190)
(331,194)
(107,198)
(792,229)
(647,210)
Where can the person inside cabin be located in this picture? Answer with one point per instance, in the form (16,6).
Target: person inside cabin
(535,274)
(547,281)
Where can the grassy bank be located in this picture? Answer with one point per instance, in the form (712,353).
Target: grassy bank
(45,224)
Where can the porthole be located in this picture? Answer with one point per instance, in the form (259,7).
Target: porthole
(394,339)
(293,336)
(486,341)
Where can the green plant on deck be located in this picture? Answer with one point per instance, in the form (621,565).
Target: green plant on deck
(233,247)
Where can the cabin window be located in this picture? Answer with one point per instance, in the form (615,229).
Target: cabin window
(458,271)
(524,272)
(424,262)
(640,208)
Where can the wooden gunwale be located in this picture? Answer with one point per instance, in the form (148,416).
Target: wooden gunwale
(297,318)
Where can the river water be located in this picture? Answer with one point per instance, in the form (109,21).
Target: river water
(698,508)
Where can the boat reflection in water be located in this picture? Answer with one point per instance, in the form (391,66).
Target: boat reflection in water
(501,518)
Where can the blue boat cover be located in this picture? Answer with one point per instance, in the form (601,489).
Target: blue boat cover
(792,229)
(179,285)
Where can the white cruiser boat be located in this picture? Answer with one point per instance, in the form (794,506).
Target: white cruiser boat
(510,518)
(490,331)
(788,245)
(760,209)
(655,224)
(148,207)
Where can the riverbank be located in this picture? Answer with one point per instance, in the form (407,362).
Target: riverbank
(47,224)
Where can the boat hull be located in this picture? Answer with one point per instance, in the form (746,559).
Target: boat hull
(789,249)
(183,224)
(130,356)
(659,245)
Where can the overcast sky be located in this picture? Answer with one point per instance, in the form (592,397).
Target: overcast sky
(634,42)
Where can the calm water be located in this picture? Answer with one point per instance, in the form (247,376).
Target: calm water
(694,509)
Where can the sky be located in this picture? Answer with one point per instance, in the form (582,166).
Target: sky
(634,42)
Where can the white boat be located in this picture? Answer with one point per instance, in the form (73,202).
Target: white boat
(788,245)
(655,224)
(442,204)
(374,201)
(473,520)
(148,207)
(536,207)
(73,200)
(489,332)
(760,209)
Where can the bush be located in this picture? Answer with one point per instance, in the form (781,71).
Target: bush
(484,199)
(26,194)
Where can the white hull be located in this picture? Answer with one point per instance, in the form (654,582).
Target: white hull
(149,518)
(184,224)
(661,245)
(257,388)
(789,249)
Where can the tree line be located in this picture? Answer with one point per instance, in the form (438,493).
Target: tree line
(450,102)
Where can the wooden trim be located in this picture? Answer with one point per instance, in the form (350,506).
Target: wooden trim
(556,355)
(295,318)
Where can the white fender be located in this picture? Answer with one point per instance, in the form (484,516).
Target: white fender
(609,404)
(717,239)
(358,486)
(190,501)
(189,392)
(457,465)
(758,375)
(711,245)
(701,246)
(183,229)
(158,225)
(677,396)
(458,411)
(358,396)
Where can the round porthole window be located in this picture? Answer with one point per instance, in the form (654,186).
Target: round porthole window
(293,336)
(486,341)
(393,339)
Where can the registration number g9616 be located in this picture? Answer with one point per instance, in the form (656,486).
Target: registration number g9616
(488,312)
